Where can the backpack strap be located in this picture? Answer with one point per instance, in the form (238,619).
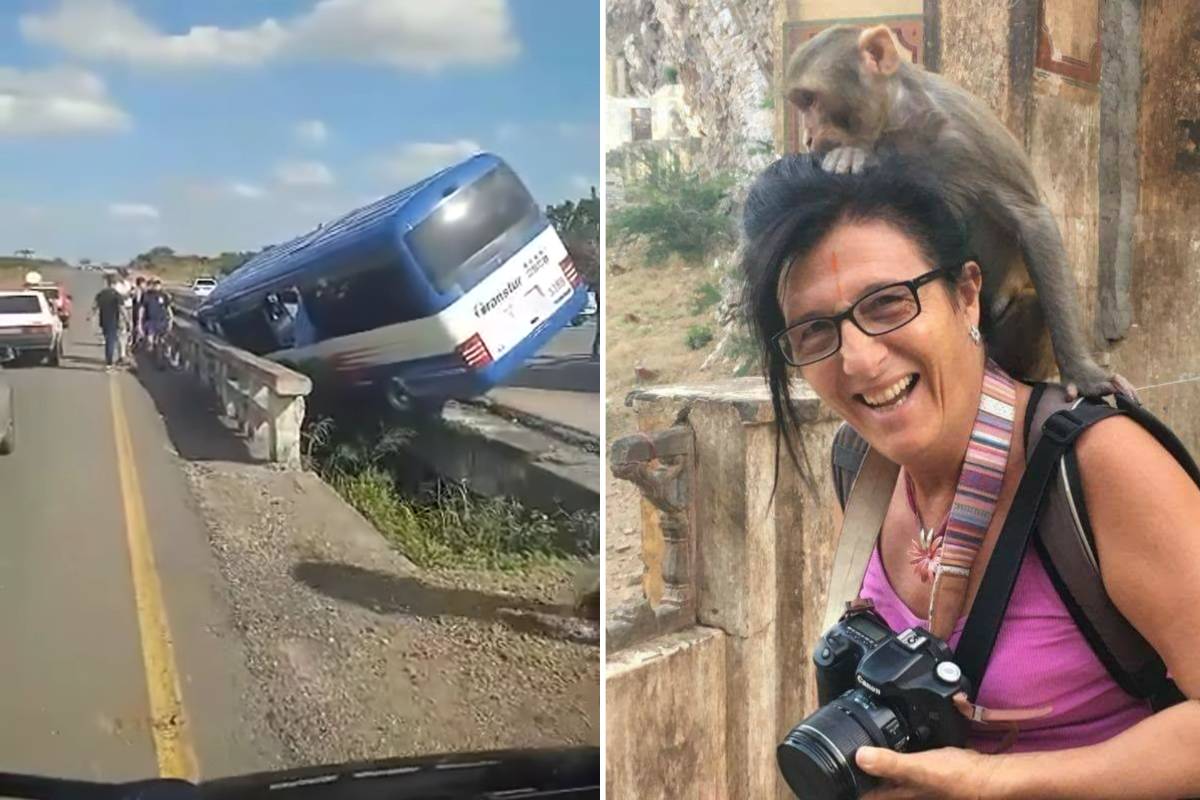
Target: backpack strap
(846,459)
(1060,430)
(1067,547)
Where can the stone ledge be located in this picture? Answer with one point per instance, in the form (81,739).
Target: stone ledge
(749,396)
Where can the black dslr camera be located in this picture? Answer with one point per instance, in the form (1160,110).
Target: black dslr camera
(876,688)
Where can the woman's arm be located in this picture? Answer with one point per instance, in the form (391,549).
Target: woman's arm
(1145,514)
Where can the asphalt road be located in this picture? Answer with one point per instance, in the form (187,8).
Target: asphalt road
(117,658)
(560,383)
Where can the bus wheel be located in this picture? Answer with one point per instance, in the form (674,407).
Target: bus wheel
(398,397)
(399,400)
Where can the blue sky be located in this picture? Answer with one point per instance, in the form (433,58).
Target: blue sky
(226,124)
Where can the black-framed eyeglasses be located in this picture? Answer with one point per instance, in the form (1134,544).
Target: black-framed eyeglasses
(881,311)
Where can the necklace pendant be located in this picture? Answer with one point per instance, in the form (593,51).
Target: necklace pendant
(925,538)
(923,554)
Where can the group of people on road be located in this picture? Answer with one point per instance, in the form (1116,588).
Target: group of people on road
(131,316)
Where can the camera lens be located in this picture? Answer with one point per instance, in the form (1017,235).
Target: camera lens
(817,756)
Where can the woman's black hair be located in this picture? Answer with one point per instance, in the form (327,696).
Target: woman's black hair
(794,205)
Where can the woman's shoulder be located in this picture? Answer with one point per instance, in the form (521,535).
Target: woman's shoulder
(1122,446)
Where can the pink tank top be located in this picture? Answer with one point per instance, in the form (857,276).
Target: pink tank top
(1040,658)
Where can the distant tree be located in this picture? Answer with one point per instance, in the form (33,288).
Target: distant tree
(85,262)
(162,251)
(24,253)
(578,223)
(229,261)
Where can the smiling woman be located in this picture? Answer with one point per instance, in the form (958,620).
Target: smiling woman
(863,285)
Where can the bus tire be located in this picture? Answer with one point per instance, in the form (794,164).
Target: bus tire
(397,396)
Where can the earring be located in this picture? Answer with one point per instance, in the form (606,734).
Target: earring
(976,336)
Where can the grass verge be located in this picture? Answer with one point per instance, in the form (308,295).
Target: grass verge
(439,524)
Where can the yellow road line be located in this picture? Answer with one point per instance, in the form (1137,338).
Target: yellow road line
(172,736)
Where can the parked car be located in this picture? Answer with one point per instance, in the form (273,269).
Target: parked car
(28,324)
(203,287)
(8,416)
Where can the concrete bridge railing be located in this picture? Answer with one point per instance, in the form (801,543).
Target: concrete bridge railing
(265,399)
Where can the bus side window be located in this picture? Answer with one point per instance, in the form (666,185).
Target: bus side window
(249,330)
(368,299)
(280,321)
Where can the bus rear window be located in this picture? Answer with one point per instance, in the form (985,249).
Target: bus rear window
(469,221)
(20,304)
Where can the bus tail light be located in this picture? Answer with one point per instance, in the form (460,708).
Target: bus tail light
(475,352)
(568,268)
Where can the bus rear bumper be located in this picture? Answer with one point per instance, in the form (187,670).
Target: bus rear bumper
(461,382)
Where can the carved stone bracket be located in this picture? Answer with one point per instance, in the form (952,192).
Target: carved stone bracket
(660,464)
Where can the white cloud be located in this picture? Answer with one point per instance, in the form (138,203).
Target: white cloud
(303,173)
(60,100)
(415,160)
(139,211)
(248,190)
(401,33)
(408,33)
(110,30)
(312,132)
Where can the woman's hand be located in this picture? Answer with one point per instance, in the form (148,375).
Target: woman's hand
(949,773)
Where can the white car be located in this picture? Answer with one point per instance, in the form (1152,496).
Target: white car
(203,287)
(28,324)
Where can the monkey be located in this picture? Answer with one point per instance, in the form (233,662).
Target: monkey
(858,100)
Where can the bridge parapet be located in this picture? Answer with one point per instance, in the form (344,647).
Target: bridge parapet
(265,399)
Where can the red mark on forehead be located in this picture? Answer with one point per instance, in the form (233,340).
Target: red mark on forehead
(837,275)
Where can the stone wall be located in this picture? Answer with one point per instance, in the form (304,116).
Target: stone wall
(1038,65)
(1163,344)
(759,560)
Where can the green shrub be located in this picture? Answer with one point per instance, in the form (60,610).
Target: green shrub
(705,296)
(675,211)
(671,75)
(698,336)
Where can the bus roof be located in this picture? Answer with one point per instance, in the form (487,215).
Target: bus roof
(307,251)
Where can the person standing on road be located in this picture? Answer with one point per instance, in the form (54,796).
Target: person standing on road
(125,289)
(108,305)
(139,291)
(157,315)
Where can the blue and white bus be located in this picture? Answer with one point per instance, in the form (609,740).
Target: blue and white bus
(439,291)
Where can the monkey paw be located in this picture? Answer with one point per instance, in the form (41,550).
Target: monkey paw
(1092,381)
(845,160)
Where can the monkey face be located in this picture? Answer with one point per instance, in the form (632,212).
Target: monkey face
(839,82)
(911,391)
(824,121)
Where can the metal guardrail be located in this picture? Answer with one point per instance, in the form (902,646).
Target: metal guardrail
(264,398)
